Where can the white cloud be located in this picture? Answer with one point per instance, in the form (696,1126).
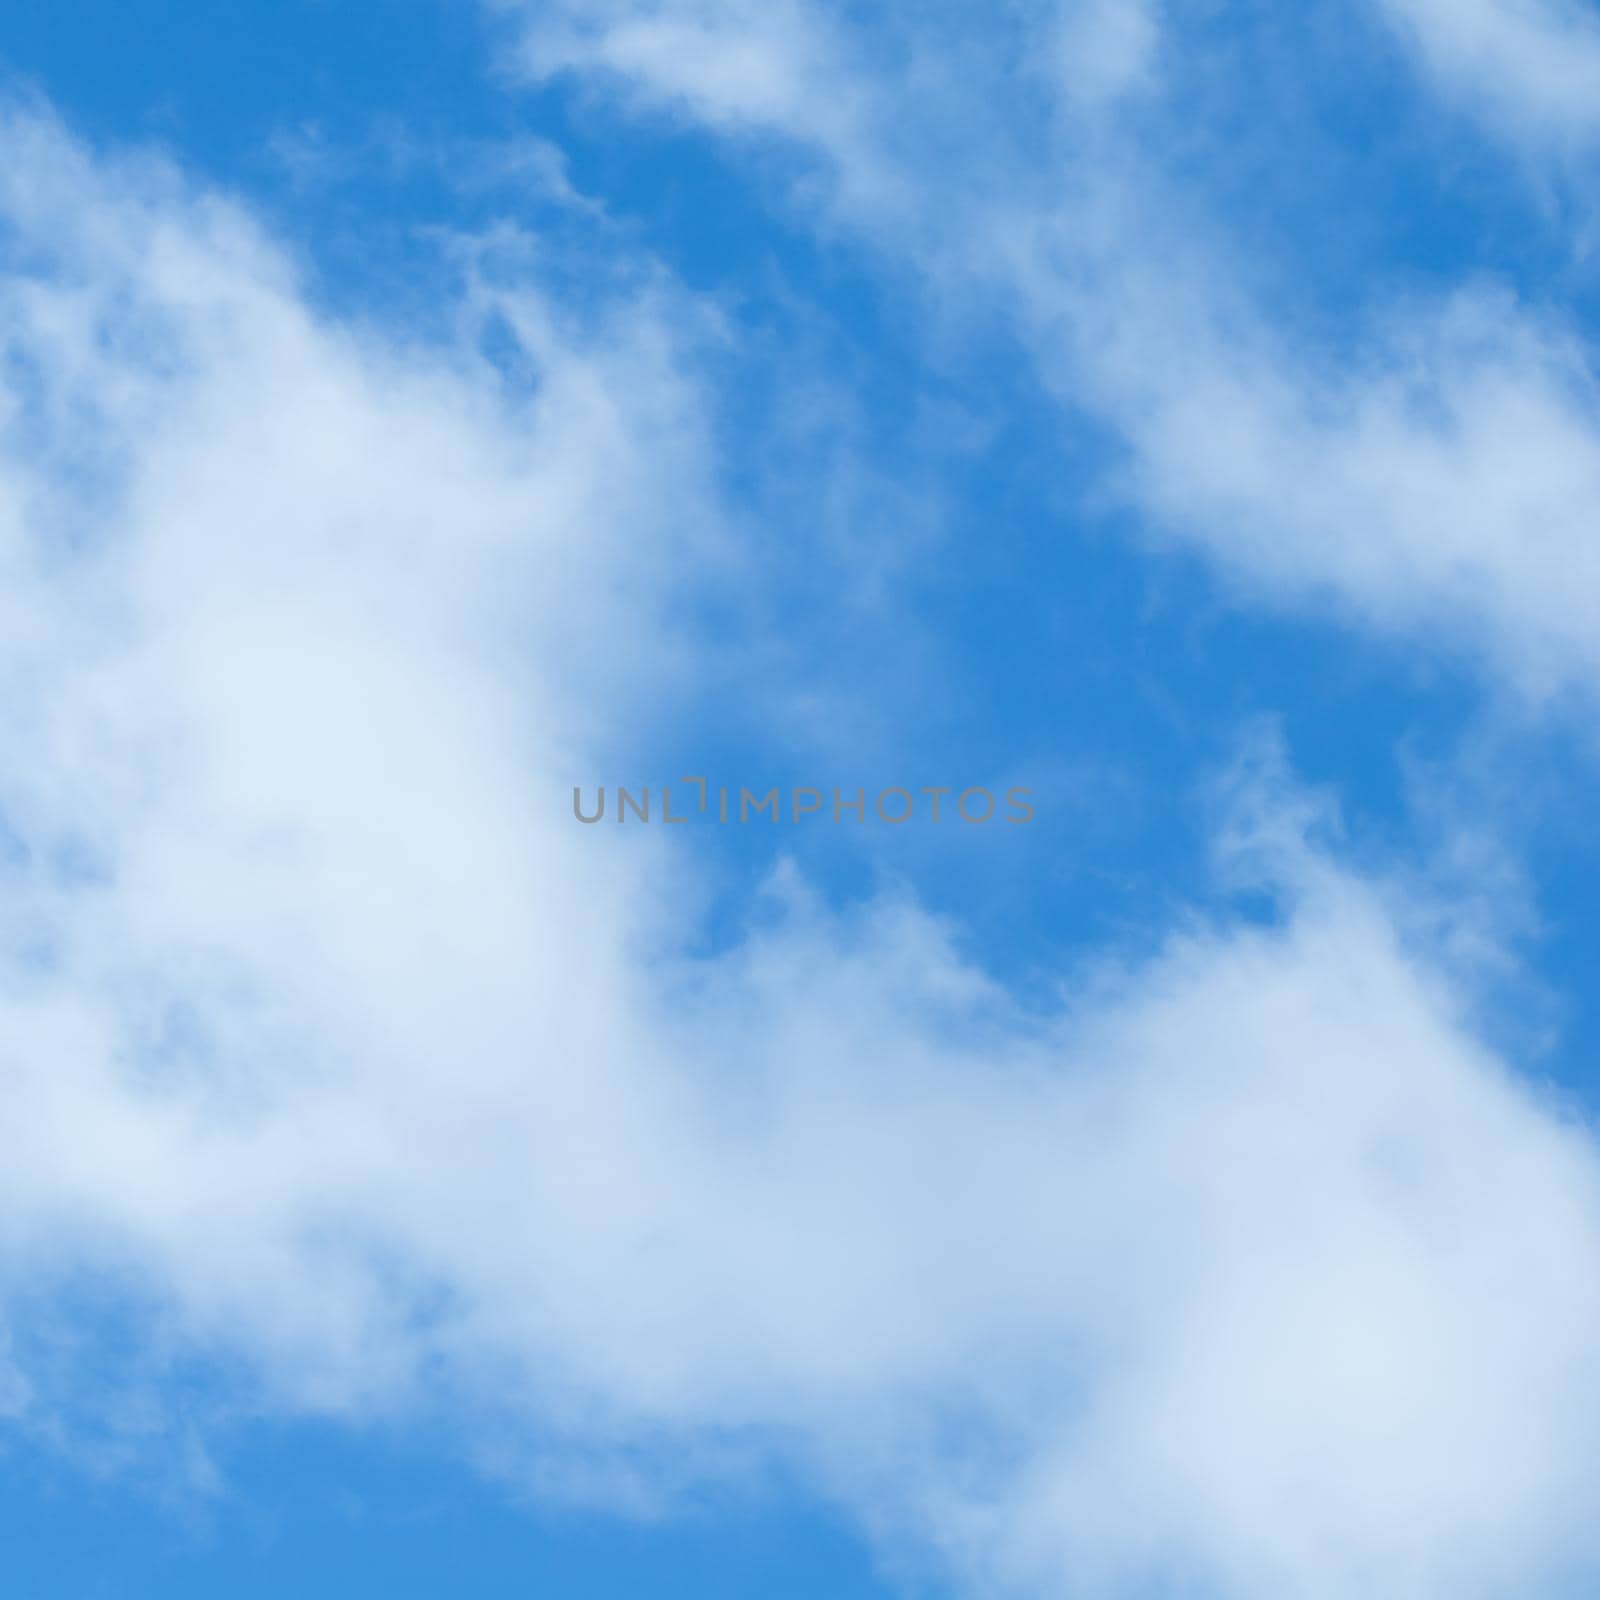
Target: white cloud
(1437,476)
(731,64)
(1530,67)
(1444,483)
(324,1029)
(877,100)
(290,608)
(775,70)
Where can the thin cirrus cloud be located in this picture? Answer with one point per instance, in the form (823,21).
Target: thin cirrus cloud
(1433,475)
(329,1036)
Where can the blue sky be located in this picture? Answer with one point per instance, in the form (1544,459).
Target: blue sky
(1188,414)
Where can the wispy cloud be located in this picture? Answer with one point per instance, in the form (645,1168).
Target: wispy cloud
(1435,475)
(1531,68)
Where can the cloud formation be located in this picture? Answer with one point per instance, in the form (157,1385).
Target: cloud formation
(329,1036)
(1530,68)
(1434,475)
